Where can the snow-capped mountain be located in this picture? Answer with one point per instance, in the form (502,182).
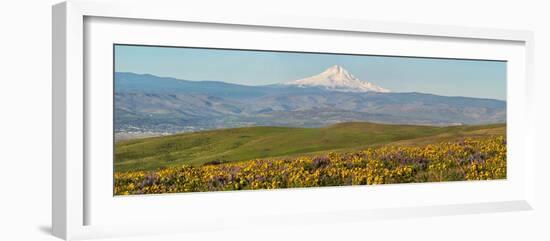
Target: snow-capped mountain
(339,79)
(150,103)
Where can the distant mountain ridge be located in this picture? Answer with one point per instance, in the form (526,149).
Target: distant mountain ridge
(148,103)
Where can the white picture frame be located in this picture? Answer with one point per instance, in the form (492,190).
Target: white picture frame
(73,192)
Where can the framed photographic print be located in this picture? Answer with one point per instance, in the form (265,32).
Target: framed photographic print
(191,120)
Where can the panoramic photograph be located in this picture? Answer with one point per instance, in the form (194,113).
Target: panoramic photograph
(205,119)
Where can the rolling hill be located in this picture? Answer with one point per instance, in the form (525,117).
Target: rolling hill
(237,144)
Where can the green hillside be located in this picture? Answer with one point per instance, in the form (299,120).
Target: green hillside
(246,143)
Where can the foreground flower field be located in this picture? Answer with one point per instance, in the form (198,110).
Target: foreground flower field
(468,159)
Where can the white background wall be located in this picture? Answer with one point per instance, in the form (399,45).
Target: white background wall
(25,118)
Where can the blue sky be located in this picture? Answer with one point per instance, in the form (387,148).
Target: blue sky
(449,77)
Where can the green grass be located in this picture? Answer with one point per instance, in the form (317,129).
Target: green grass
(238,144)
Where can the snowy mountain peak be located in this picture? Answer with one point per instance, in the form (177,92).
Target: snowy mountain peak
(339,79)
(335,69)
